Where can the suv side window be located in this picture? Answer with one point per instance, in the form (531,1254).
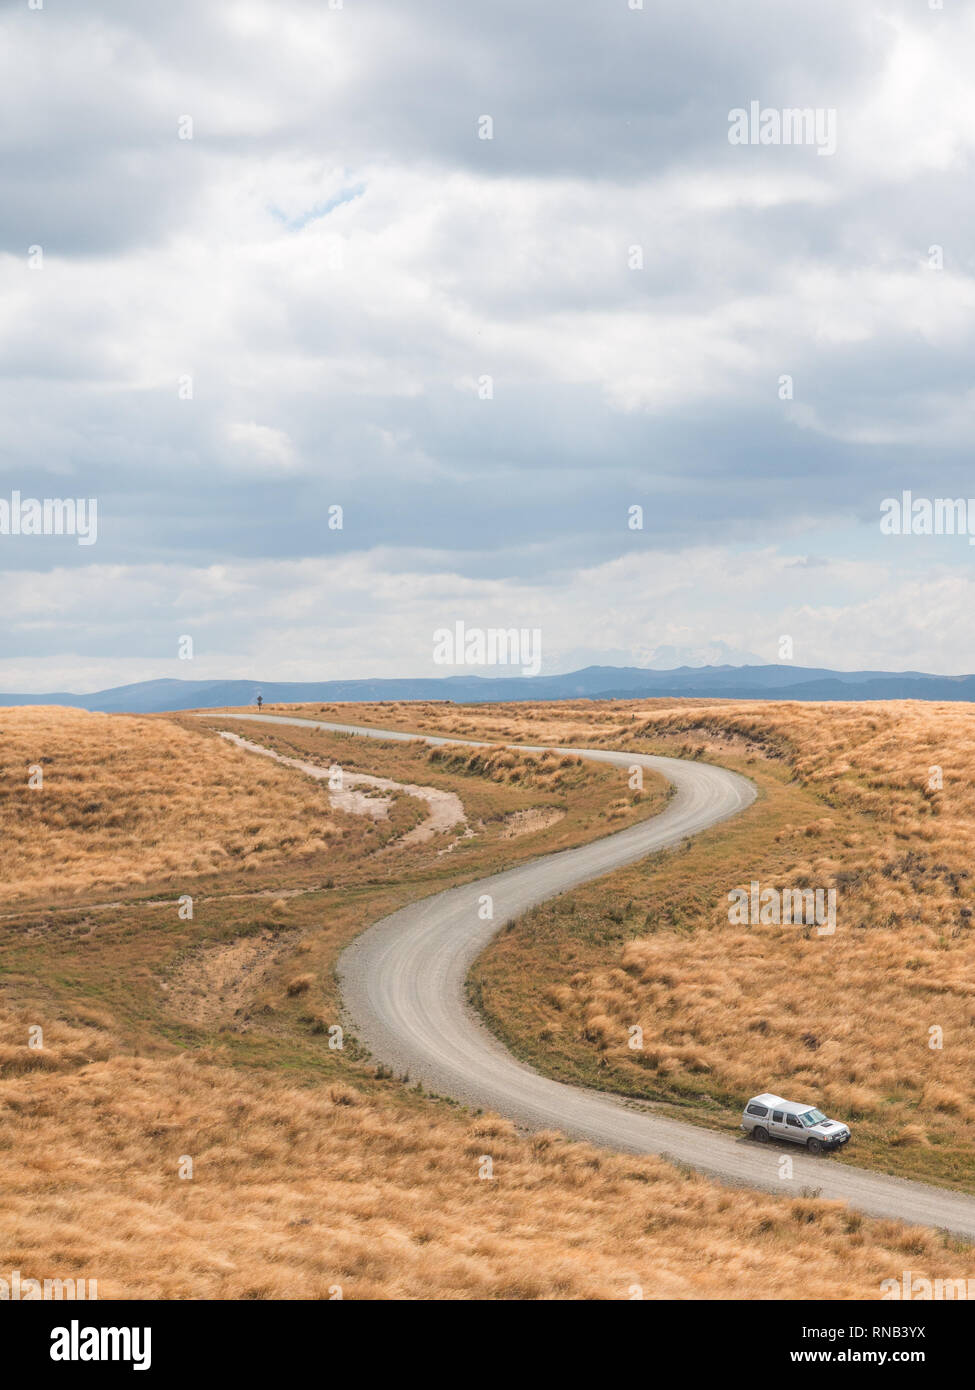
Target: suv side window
(778,1116)
(760,1111)
(794,1122)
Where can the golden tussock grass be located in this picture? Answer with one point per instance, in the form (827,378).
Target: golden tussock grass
(128,801)
(299,1193)
(496,785)
(850,803)
(312,1171)
(548,771)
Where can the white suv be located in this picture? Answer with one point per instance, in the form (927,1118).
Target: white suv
(770,1117)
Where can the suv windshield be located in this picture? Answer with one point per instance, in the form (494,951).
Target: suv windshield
(812,1117)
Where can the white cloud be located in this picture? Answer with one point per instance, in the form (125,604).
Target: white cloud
(367,615)
(260,448)
(334,259)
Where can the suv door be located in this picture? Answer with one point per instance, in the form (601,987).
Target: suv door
(777,1126)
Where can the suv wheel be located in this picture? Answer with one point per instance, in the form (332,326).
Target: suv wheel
(760,1134)
(815,1146)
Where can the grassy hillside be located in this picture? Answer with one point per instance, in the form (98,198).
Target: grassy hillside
(305,1191)
(846,1020)
(211,1038)
(128,801)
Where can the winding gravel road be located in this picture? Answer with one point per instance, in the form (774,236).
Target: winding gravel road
(403,983)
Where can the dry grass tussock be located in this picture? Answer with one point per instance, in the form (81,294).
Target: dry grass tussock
(577,722)
(849,1015)
(845,1019)
(351,1181)
(128,801)
(547,771)
(297,1193)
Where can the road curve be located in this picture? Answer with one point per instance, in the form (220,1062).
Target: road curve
(403,984)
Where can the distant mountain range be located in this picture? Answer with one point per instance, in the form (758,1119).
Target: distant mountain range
(594,682)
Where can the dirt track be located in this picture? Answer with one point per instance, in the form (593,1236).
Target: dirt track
(403,982)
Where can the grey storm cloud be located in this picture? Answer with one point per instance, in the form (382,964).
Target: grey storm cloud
(338,264)
(579,89)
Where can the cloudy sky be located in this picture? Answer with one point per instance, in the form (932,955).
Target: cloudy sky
(486,351)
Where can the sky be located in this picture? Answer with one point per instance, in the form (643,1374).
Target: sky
(485,278)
